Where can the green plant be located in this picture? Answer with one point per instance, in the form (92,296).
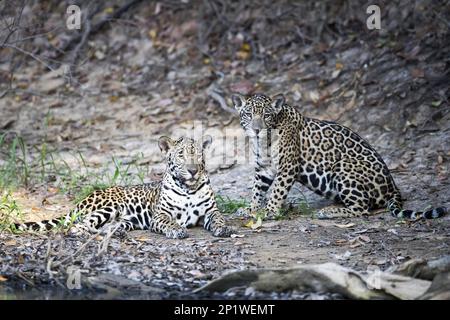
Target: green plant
(20,167)
(14,169)
(9,211)
(300,208)
(229,206)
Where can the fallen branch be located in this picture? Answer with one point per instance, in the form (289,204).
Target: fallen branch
(327,277)
(423,269)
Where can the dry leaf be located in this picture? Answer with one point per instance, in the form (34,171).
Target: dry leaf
(2,278)
(152,34)
(143,238)
(197,273)
(11,242)
(314,96)
(364,238)
(257,224)
(243,55)
(393,231)
(254,224)
(249,224)
(335,73)
(417,73)
(341,242)
(343,257)
(109,10)
(20,259)
(113,98)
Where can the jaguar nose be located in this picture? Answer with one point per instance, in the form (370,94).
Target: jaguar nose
(257,124)
(192,171)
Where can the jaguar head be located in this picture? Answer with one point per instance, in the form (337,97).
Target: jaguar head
(258,112)
(185,159)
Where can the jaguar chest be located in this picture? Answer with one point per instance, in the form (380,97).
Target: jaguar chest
(186,208)
(266,150)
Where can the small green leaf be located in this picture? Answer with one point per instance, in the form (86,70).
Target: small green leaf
(436,103)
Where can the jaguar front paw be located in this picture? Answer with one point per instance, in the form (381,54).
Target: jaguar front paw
(177,233)
(267,214)
(79,230)
(223,231)
(323,214)
(121,234)
(243,212)
(270,215)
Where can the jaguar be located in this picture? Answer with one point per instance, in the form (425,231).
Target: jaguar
(328,158)
(183,198)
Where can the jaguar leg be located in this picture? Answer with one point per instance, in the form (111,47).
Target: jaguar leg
(215,222)
(163,223)
(356,204)
(280,191)
(261,184)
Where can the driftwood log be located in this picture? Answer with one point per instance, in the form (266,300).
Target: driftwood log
(333,278)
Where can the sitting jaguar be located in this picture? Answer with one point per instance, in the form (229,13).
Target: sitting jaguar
(182,199)
(328,158)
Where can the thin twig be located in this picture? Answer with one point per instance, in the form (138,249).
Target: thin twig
(30,54)
(98,26)
(76,51)
(103,247)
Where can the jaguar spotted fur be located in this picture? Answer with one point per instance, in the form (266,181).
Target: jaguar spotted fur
(182,199)
(328,158)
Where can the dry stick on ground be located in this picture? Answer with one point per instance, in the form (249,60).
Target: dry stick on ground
(110,230)
(103,247)
(76,51)
(48,267)
(80,250)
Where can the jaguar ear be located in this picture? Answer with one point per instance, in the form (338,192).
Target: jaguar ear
(206,141)
(278,101)
(165,143)
(238,101)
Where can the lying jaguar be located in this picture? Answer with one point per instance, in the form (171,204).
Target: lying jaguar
(182,199)
(327,157)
